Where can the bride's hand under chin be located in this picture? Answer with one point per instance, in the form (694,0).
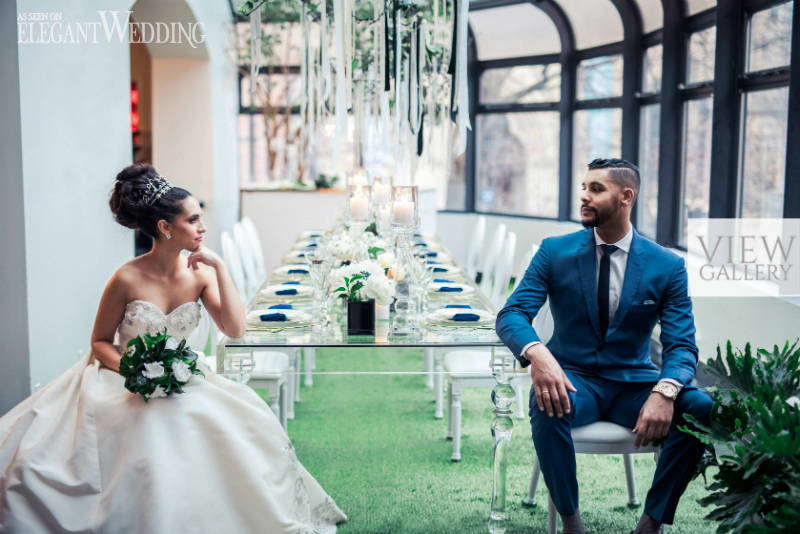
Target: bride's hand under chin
(203,255)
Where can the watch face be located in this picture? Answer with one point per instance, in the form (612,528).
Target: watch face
(668,389)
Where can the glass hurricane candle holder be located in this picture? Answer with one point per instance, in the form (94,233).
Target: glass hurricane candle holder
(358,203)
(405,207)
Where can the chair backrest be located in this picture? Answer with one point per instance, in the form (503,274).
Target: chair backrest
(198,340)
(524,263)
(255,243)
(247,257)
(234,263)
(502,272)
(475,246)
(490,254)
(543,322)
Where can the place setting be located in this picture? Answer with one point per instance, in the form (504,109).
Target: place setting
(460,316)
(277,317)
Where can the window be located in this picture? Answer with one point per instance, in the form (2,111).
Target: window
(600,77)
(696,167)
(523,84)
(651,71)
(764,157)
(647,203)
(597,135)
(770,38)
(517,172)
(700,61)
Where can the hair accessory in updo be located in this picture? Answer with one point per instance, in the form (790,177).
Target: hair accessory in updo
(155,188)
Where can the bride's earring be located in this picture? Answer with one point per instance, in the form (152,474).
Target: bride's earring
(168,236)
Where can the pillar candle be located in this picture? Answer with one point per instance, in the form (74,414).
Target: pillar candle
(359,208)
(403,212)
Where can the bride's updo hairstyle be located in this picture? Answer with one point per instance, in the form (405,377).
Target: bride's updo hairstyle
(135,205)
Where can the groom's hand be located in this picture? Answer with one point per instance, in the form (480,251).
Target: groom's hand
(550,384)
(654,421)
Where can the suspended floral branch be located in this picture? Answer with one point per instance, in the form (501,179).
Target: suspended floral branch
(387,64)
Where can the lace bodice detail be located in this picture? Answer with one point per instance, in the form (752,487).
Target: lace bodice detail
(142,317)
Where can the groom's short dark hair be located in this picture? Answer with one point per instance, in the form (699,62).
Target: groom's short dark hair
(623,172)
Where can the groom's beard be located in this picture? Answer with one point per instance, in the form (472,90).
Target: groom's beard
(601,216)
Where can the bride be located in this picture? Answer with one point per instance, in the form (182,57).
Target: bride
(83,454)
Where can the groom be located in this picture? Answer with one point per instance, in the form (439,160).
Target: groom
(608,286)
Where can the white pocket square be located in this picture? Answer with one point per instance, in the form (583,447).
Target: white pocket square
(648,302)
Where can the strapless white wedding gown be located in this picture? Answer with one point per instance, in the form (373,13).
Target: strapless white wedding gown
(84,454)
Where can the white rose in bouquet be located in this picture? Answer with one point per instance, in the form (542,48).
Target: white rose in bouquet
(181,371)
(157,393)
(343,247)
(153,370)
(380,288)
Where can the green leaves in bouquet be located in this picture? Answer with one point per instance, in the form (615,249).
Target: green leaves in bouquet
(374,252)
(351,287)
(753,440)
(152,349)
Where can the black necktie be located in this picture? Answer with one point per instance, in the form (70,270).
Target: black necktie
(602,286)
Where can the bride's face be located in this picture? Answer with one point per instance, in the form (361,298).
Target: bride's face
(188,227)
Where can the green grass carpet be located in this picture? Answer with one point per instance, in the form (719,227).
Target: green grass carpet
(373,444)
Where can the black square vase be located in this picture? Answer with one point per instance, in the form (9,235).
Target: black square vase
(361,318)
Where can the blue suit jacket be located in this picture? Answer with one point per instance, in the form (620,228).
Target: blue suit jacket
(654,288)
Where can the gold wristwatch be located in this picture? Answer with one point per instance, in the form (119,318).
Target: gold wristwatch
(666,389)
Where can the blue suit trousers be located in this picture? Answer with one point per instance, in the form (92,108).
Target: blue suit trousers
(619,402)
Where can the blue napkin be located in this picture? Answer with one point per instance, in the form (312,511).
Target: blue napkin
(314,235)
(290,292)
(301,255)
(432,254)
(443,281)
(298,271)
(311,245)
(465,317)
(458,306)
(435,269)
(280,307)
(448,289)
(431,262)
(272,317)
(291,283)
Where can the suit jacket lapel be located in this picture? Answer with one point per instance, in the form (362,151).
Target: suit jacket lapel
(633,275)
(587,268)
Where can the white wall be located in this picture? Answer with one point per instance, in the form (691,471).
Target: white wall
(763,322)
(14,362)
(75,137)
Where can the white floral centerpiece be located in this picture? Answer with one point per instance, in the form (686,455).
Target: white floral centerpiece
(364,280)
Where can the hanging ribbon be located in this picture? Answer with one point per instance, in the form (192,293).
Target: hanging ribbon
(387,48)
(255,51)
(325,41)
(341,88)
(462,89)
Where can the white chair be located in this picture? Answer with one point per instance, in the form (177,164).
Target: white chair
(472,368)
(246,253)
(271,371)
(490,258)
(255,244)
(475,247)
(601,437)
(232,259)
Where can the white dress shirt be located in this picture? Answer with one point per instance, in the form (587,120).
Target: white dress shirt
(617,265)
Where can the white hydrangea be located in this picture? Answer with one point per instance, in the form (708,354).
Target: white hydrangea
(181,371)
(376,285)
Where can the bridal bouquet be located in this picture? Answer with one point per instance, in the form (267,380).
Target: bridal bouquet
(363,281)
(157,365)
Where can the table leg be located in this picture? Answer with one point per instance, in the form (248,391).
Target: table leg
(502,428)
(429,368)
(309,357)
(437,384)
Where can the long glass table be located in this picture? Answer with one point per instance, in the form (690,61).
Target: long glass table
(430,337)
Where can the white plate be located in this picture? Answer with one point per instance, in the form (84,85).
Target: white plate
(449,269)
(465,289)
(445,316)
(284,269)
(271,292)
(293,318)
